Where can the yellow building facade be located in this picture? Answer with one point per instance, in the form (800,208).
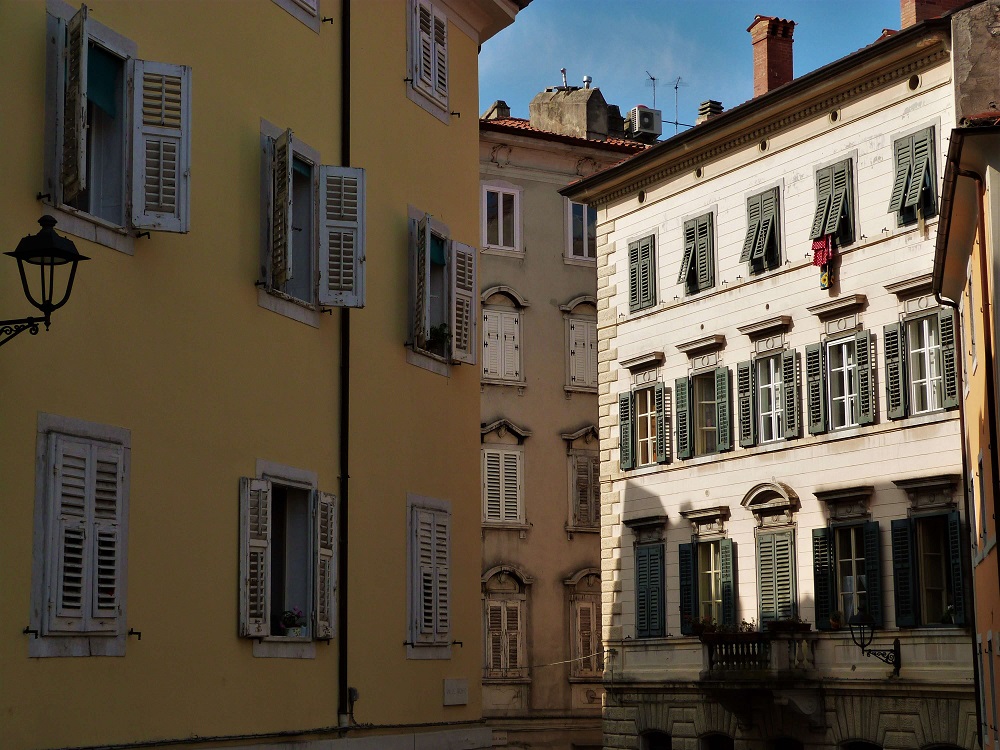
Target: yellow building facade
(276,199)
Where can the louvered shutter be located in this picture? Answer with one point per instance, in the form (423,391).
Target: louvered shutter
(753,227)
(491,344)
(647,273)
(73,173)
(69,583)
(686,586)
(591,372)
(442,577)
(744,404)
(723,430)
(840,204)
(281,209)
(325,573)
(588,643)
(511,484)
(649,591)
(923,142)
(161,147)
(595,490)
(107,545)
(492,483)
(512,635)
(424,47)
(586,479)
(633,276)
(766,578)
(494,636)
(956,556)
(784,575)
(949,357)
(626,442)
(863,377)
(791,403)
(903,573)
(463,307)
(873,569)
(727,577)
(824,576)
(824,192)
(422,282)
(816,388)
(894,345)
(342,236)
(903,149)
(577,353)
(510,342)
(255,557)
(705,253)
(662,403)
(768,225)
(425,609)
(682,398)
(690,251)
(440,57)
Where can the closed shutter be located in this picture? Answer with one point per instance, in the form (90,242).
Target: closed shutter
(727,576)
(863,377)
(776,576)
(824,576)
(894,345)
(687,588)
(649,591)
(281,209)
(744,404)
(463,306)
(682,399)
(791,402)
(705,253)
(73,174)
(494,636)
(585,496)
(512,635)
(647,273)
(491,344)
(816,388)
(511,495)
(255,558)
(161,147)
(577,352)
(724,431)
(107,546)
(503,637)
(873,569)
(824,192)
(492,484)
(840,204)
(440,56)
(626,442)
(923,143)
(342,236)
(633,276)
(690,251)
(753,227)
(325,573)
(765,578)
(949,358)
(595,490)
(903,149)
(72,497)
(588,640)
(422,282)
(956,556)
(662,403)
(510,345)
(904,573)
(442,577)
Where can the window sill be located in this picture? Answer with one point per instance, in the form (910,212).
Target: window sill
(585,262)
(431,106)
(495,381)
(428,651)
(509,252)
(595,679)
(506,680)
(583,529)
(425,360)
(76,645)
(507,525)
(284,648)
(580,388)
(86,227)
(291,308)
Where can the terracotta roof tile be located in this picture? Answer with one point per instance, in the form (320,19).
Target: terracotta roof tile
(517,123)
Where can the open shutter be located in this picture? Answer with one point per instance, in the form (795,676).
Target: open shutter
(824,192)
(686,585)
(682,398)
(903,149)
(161,147)
(512,635)
(424,42)
(840,204)
(511,496)
(791,403)
(753,227)
(903,573)
(494,635)
(724,431)
(873,569)
(424,609)
(440,57)
(768,224)
(894,346)
(255,558)
(510,342)
(744,404)
(422,282)
(662,402)
(816,388)
(633,276)
(647,273)
(281,209)
(705,254)
(956,556)
(727,576)
(690,250)
(949,358)
(463,289)
(442,577)
(342,236)
(105,613)
(325,573)
(491,344)
(863,377)
(69,582)
(921,174)
(492,505)
(824,576)
(73,176)
(626,442)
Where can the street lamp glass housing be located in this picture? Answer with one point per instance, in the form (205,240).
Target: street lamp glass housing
(46,250)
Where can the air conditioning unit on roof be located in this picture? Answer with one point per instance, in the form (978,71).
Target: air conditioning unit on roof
(645,120)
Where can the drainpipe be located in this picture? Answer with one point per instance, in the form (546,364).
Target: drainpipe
(344,707)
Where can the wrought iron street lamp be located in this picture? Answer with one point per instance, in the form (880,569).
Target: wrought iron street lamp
(862,627)
(44,251)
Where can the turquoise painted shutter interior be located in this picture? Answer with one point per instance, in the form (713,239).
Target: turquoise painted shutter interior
(956,557)
(626,447)
(824,576)
(816,388)
(685,447)
(744,404)
(724,431)
(824,189)
(791,403)
(894,351)
(688,590)
(863,377)
(949,357)
(662,396)
(873,569)
(727,574)
(903,573)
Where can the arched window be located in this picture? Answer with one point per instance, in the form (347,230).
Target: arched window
(584,591)
(786,743)
(504,615)
(580,315)
(502,315)
(654,741)
(716,742)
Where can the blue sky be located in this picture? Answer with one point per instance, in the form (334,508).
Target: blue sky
(704,42)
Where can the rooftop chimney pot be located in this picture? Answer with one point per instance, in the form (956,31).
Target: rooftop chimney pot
(772,52)
(707,110)
(914,11)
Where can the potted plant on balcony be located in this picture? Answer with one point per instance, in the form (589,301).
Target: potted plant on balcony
(836,620)
(705,626)
(793,624)
(293,623)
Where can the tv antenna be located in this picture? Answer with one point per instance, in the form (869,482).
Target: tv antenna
(677,85)
(652,80)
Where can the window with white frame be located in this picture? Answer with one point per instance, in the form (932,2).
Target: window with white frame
(703,413)
(839,383)
(120,129)
(921,363)
(767,398)
(428,57)
(313,227)
(582,353)
(306,11)
(501,216)
(429,548)
(644,426)
(581,231)
(502,485)
(502,344)
(504,609)
(585,489)
(707,583)
(81,523)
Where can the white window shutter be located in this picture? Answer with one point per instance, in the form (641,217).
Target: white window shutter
(422,282)
(255,558)
(71,503)
(577,353)
(442,577)
(591,352)
(423,64)
(281,209)
(584,494)
(491,344)
(511,485)
(463,290)
(325,574)
(161,146)
(512,635)
(108,473)
(494,636)
(424,609)
(342,237)
(585,620)
(73,174)
(492,482)
(441,57)
(510,340)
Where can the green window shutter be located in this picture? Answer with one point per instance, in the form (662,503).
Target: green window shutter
(690,250)
(784,575)
(642,591)
(841,219)
(744,404)
(705,253)
(816,388)
(723,430)
(688,589)
(956,556)
(649,590)
(792,406)
(894,346)
(903,573)
(626,447)
(765,578)
(903,149)
(824,576)
(824,191)
(657,613)
(873,570)
(753,227)
(767,216)
(662,402)
(682,392)
(949,357)
(863,377)
(923,143)
(647,273)
(633,276)
(727,574)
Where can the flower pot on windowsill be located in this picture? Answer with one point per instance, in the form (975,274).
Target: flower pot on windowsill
(788,626)
(296,631)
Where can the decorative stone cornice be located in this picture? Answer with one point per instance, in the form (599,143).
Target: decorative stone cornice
(583,299)
(507,291)
(643,361)
(589,433)
(502,427)
(935,492)
(702,344)
(838,306)
(761,328)
(911,287)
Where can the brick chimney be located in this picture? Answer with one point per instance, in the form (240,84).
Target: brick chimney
(772,52)
(915,11)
